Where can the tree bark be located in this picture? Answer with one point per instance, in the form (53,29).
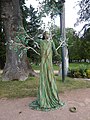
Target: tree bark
(65,58)
(15,68)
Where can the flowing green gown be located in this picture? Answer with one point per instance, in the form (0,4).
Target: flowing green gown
(48,98)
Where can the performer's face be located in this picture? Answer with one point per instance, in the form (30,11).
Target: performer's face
(46,36)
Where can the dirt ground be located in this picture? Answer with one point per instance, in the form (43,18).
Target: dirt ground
(17,109)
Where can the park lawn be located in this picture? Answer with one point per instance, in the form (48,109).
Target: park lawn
(20,89)
(29,88)
(77,65)
(37,67)
(71,66)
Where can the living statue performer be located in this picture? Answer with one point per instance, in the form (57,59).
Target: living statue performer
(47,98)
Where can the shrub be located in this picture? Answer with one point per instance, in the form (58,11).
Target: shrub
(82,70)
(70,73)
(74,73)
(79,73)
(88,73)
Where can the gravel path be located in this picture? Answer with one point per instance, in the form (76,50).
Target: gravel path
(17,109)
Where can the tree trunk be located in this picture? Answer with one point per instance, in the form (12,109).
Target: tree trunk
(15,68)
(65,58)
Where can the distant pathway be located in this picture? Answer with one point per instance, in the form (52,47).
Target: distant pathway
(55,71)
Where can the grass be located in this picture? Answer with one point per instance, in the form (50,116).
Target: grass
(20,89)
(77,65)
(71,84)
(71,66)
(37,67)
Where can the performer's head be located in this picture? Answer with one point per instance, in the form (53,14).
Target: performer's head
(45,35)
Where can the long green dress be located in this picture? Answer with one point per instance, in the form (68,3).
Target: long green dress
(48,98)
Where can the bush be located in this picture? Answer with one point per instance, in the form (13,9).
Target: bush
(79,73)
(88,73)
(74,73)
(82,70)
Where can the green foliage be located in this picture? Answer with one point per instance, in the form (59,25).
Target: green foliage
(25,13)
(32,26)
(34,22)
(52,7)
(84,17)
(21,36)
(86,35)
(85,44)
(84,13)
(82,71)
(73,42)
(88,73)
(78,47)
(20,42)
(74,73)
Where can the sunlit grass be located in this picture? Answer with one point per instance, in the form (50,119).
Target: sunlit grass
(71,83)
(15,89)
(77,65)
(37,67)
(20,89)
(71,66)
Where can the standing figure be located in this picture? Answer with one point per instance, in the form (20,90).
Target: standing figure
(48,98)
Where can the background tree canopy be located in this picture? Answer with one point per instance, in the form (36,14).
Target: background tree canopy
(32,19)
(84,13)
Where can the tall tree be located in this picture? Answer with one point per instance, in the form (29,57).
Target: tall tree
(33,22)
(85,45)
(84,13)
(2,43)
(2,46)
(84,16)
(34,30)
(15,67)
(73,42)
(24,12)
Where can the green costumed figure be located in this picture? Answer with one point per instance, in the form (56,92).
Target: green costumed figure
(47,98)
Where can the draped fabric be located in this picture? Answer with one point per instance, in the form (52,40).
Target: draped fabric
(48,98)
